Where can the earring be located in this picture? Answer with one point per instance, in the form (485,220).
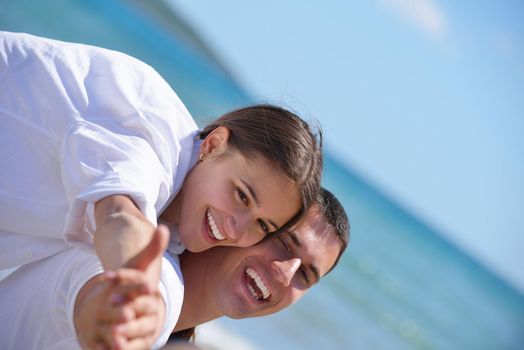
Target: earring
(201,158)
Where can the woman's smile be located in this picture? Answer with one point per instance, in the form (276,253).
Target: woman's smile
(213,228)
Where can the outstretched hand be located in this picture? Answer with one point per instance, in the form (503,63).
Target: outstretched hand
(122,309)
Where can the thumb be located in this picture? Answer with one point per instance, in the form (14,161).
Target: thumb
(153,250)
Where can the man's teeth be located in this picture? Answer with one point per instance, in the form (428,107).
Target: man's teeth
(260,284)
(214,228)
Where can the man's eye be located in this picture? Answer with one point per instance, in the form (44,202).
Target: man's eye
(284,243)
(242,196)
(264,227)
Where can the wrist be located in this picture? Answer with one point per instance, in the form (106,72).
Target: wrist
(120,237)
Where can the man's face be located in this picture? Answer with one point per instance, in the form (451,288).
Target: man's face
(272,275)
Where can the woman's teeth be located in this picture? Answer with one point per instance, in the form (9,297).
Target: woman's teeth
(214,228)
(259,284)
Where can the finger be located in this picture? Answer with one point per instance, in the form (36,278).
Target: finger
(146,305)
(117,314)
(108,338)
(101,346)
(139,343)
(108,275)
(120,342)
(118,295)
(141,327)
(125,276)
(128,283)
(142,305)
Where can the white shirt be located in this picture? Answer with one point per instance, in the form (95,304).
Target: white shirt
(38,299)
(79,123)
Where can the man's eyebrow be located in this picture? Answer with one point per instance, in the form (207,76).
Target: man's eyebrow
(315,272)
(295,238)
(255,198)
(312,267)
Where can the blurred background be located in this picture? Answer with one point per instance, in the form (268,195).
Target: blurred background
(422,107)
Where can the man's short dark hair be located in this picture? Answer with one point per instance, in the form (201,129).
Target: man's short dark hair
(336,217)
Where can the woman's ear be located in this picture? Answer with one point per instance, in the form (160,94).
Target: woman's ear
(216,141)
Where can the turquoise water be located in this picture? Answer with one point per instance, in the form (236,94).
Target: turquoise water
(401,286)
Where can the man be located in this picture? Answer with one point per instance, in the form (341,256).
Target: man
(236,282)
(267,277)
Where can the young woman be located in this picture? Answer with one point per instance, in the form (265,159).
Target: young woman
(95,145)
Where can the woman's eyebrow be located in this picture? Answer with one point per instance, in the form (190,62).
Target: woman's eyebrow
(251,191)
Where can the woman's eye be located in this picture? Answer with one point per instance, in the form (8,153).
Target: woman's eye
(243,196)
(264,227)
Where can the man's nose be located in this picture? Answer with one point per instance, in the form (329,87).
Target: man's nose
(285,270)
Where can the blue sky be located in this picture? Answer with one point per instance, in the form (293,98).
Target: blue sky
(423,98)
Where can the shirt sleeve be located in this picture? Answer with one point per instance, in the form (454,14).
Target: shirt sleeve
(171,288)
(126,139)
(81,267)
(84,123)
(97,163)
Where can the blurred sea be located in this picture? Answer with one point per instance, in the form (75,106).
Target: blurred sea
(400,285)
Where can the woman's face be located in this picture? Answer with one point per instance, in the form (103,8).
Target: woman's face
(228,199)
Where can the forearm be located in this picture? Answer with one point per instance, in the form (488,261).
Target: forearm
(122,231)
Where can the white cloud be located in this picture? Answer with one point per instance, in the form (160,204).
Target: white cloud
(427,15)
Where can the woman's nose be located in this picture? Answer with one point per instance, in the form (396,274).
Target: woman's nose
(237,226)
(285,270)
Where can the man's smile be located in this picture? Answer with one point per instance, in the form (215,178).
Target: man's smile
(256,286)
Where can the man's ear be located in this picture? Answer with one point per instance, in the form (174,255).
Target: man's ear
(216,141)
